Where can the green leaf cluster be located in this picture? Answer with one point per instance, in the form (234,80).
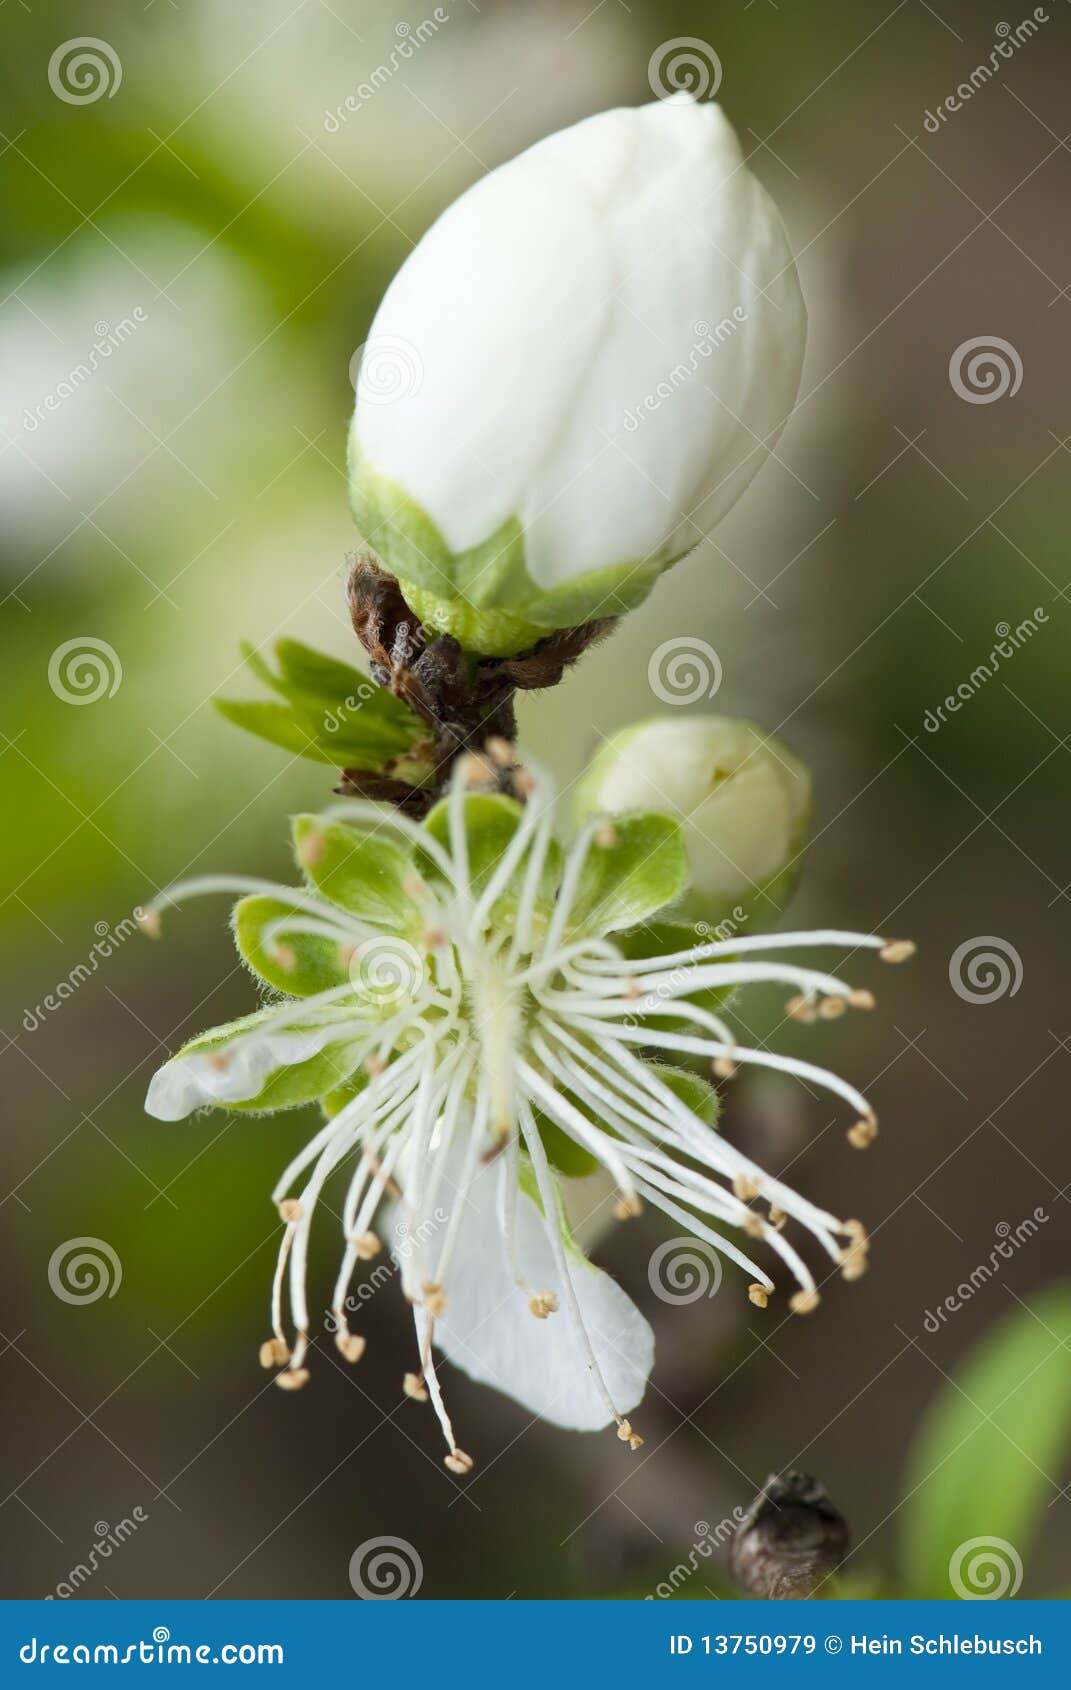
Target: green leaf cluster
(326,711)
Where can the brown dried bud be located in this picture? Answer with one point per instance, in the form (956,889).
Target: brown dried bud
(791,1541)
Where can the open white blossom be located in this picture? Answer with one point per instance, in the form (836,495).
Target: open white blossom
(575,374)
(480,1017)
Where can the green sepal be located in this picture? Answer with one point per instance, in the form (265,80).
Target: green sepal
(666,938)
(362,872)
(563,1152)
(634,867)
(317,964)
(696,1093)
(491,820)
(333,1101)
(484,595)
(300,1082)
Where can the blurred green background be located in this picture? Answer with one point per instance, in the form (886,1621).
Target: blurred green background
(192,492)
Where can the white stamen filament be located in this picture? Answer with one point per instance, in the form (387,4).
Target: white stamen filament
(759,942)
(708,1047)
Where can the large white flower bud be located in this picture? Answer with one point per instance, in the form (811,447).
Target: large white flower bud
(575,374)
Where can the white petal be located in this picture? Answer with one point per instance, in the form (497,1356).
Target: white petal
(488,1331)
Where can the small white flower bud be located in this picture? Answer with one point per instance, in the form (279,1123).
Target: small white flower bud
(741,797)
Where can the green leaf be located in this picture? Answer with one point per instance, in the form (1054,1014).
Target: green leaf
(363,872)
(315,966)
(634,867)
(333,713)
(277,724)
(992,1444)
(315,673)
(342,707)
(257,663)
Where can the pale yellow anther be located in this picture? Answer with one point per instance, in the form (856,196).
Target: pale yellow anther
(413,1386)
(268,1353)
(434,1298)
(804,1302)
(635,1442)
(752,1225)
(346,954)
(412,886)
(606,837)
(627,1208)
(777,1217)
(758,1295)
(458,1461)
(862,999)
(433,937)
(723,1068)
(745,1186)
(311,850)
(285,957)
(374,1065)
(863,1134)
(292,1378)
(543,1303)
(220,1061)
(624,1430)
(499,750)
(523,783)
(290,1210)
(149,922)
(898,950)
(801,1009)
(366,1246)
(853,1258)
(350,1345)
(632,987)
(831,1009)
(475,770)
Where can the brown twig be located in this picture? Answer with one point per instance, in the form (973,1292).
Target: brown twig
(465,700)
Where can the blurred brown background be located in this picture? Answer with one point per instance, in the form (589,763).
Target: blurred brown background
(192,492)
